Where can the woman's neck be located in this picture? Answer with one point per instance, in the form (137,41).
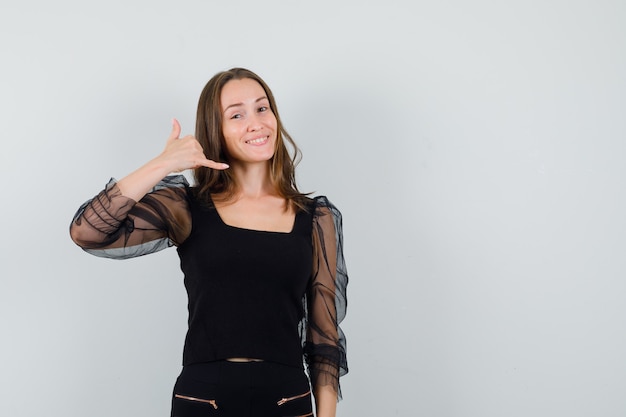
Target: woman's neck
(253,180)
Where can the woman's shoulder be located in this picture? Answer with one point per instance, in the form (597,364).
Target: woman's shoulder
(322,206)
(322,201)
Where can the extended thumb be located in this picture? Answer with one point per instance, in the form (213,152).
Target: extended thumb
(175,130)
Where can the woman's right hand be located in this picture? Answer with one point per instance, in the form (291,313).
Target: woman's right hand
(185,153)
(179,154)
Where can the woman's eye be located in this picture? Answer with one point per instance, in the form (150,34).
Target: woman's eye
(236,116)
(263,109)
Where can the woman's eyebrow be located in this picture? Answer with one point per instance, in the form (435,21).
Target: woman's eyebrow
(241,104)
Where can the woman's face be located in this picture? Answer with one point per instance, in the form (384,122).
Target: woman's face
(248,123)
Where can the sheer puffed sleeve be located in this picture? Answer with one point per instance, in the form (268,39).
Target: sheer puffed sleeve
(113,226)
(325,343)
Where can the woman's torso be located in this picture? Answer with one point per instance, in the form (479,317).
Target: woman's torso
(245,288)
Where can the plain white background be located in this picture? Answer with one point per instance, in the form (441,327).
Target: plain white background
(475,148)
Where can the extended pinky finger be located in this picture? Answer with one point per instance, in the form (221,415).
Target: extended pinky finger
(215,165)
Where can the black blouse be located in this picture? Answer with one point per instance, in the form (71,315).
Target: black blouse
(113,226)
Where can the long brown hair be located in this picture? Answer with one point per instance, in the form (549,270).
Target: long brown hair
(209,134)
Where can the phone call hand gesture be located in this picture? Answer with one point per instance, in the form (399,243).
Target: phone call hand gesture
(185,153)
(179,155)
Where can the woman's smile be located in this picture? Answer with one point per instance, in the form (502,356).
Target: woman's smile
(258,141)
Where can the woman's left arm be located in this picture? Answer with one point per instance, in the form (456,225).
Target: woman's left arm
(325,345)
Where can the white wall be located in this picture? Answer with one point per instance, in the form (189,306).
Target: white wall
(476,150)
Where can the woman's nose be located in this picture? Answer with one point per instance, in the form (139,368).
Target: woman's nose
(254,123)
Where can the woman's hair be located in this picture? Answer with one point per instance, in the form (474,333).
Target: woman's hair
(209,134)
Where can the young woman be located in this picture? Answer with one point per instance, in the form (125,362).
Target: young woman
(263,263)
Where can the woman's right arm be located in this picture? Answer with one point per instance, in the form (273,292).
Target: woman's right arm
(144,211)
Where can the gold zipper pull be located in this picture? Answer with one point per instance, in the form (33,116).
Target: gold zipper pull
(213,403)
(295,397)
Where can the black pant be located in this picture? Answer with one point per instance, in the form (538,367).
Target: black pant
(241,389)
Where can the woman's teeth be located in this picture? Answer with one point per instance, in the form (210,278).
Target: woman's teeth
(257,141)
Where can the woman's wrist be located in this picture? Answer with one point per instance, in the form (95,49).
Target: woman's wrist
(141,181)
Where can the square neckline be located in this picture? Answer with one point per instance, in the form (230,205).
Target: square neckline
(219,216)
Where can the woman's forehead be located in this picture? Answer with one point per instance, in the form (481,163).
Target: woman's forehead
(241,91)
